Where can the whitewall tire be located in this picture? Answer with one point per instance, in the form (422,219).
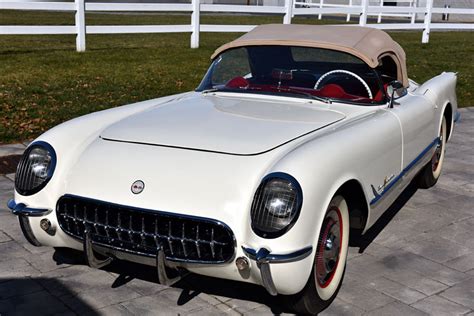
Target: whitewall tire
(429,175)
(329,262)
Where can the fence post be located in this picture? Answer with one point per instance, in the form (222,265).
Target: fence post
(288,11)
(413,15)
(80,26)
(426,31)
(363,15)
(379,18)
(348,14)
(195,23)
(321,5)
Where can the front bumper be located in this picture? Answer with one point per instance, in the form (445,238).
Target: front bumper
(273,268)
(263,257)
(22,209)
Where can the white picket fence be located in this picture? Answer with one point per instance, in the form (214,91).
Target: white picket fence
(290,9)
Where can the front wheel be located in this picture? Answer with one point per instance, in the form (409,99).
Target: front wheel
(430,173)
(329,263)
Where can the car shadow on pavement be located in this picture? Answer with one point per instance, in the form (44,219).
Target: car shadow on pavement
(40,296)
(192,285)
(387,216)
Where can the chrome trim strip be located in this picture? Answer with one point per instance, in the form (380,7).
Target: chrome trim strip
(22,209)
(264,258)
(404,172)
(260,256)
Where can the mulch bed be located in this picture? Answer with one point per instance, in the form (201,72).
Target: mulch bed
(8,163)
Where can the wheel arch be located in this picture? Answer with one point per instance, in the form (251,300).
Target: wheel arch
(356,201)
(448,113)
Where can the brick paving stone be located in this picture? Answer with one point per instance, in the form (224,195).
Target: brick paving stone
(340,308)
(417,281)
(114,310)
(438,249)
(396,309)
(13,249)
(18,287)
(401,260)
(4,237)
(44,261)
(462,293)
(93,288)
(242,306)
(39,303)
(423,197)
(15,268)
(365,298)
(227,309)
(396,290)
(463,263)
(436,305)
(12,149)
(165,302)
(366,267)
(210,311)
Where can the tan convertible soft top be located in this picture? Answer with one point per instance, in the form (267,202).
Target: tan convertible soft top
(367,43)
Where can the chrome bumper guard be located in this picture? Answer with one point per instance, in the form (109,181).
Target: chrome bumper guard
(264,258)
(161,262)
(22,209)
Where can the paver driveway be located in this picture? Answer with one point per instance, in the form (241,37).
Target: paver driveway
(418,259)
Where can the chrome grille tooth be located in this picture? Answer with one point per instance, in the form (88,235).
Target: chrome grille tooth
(183,244)
(107,223)
(142,235)
(183,240)
(130,228)
(170,244)
(118,230)
(198,251)
(213,252)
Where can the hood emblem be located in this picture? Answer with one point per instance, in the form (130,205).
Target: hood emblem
(137,187)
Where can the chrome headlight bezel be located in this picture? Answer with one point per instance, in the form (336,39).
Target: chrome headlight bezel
(25,175)
(261,214)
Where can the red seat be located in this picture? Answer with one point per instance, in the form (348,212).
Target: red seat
(237,82)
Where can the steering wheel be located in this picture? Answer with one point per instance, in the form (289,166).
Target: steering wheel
(366,86)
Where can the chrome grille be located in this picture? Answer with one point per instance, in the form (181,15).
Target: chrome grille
(143,232)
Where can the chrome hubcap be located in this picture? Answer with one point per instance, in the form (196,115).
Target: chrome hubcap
(329,247)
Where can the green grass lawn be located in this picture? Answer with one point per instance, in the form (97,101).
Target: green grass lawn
(44,81)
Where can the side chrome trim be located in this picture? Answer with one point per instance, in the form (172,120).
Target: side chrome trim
(264,258)
(404,172)
(22,209)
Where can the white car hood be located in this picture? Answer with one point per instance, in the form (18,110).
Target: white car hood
(225,124)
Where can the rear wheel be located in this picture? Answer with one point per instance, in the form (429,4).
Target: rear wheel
(329,263)
(429,175)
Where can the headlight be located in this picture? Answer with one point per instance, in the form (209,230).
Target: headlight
(276,205)
(35,169)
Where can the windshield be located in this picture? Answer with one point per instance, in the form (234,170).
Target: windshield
(297,71)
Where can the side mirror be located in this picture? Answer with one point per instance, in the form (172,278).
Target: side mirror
(391,89)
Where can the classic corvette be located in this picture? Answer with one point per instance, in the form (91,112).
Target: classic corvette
(296,141)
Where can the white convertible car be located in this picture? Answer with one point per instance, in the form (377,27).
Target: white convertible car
(297,139)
